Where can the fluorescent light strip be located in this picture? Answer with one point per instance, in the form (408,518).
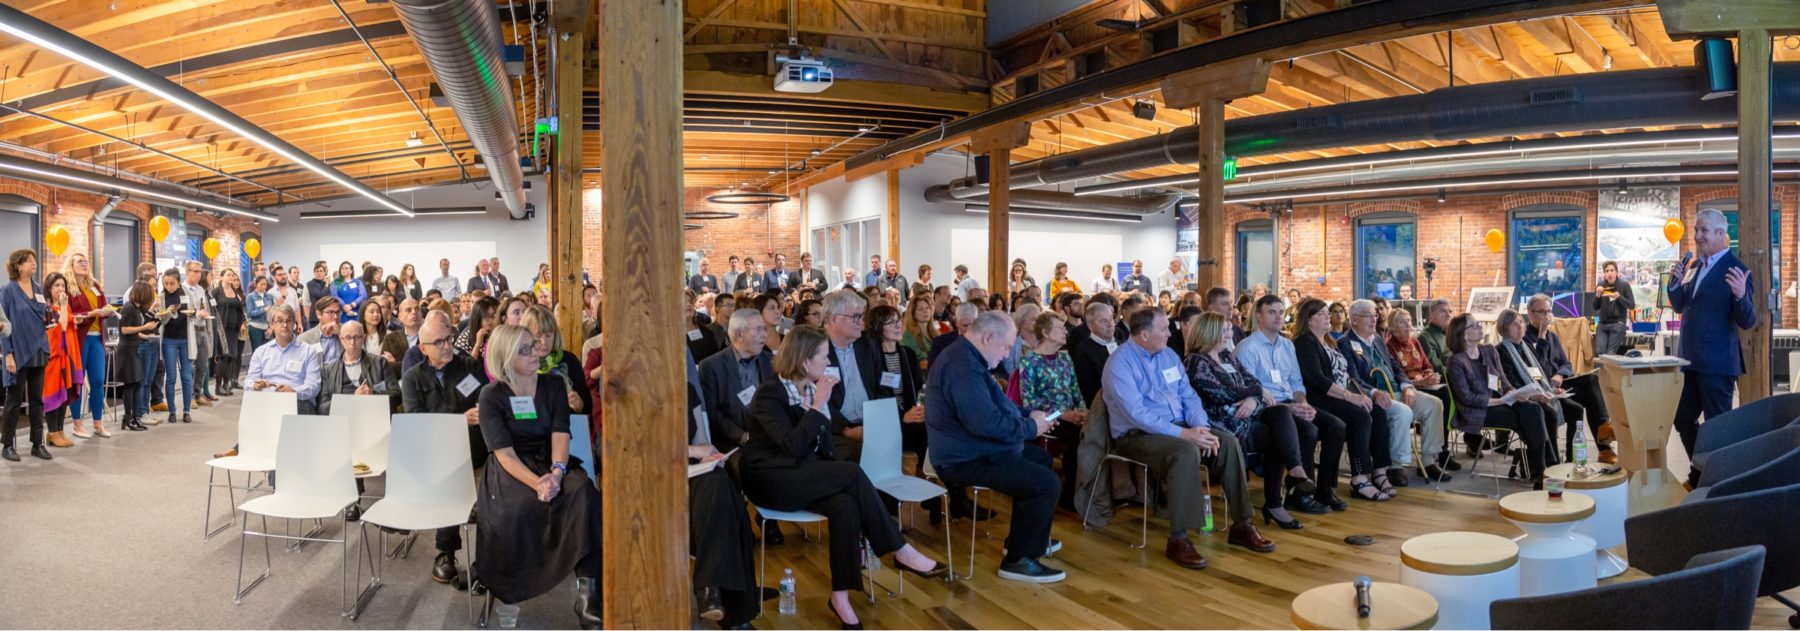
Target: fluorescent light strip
(203,113)
(1501,182)
(139,190)
(982,210)
(375,214)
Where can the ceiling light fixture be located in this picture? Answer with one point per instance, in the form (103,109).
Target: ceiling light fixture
(19,24)
(1622,189)
(1531,179)
(982,209)
(747,197)
(708,215)
(1441,197)
(412,140)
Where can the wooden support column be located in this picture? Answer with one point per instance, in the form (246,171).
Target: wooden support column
(574,20)
(997,143)
(893,216)
(1207,90)
(1755,191)
(646,579)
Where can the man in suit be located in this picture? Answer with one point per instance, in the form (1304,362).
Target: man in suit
(776,279)
(447,382)
(806,277)
(354,371)
(1090,352)
(1370,364)
(498,282)
(480,280)
(1713,293)
(728,379)
(854,364)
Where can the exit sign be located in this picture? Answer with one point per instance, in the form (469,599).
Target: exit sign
(1229,169)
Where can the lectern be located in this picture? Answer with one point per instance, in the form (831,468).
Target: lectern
(1641,394)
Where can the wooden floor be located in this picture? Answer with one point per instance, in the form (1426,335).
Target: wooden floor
(1111,585)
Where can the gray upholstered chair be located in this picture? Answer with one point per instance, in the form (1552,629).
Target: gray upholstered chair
(1716,590)
(1765,462)
(1662,542)
(1744,423)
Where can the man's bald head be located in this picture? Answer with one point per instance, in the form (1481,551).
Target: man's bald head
(435,339)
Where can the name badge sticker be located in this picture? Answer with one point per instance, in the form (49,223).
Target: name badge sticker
(1274,374)
(467,385)
(890,380)
(1494,382)
(292,365)
(1535,372)
(745,394)
(833,372)
(1228,368)
(523,408)
(694,335)
(1171,374)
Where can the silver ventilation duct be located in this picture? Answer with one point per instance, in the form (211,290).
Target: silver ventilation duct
(1051,200)
(461,43)
(62,176)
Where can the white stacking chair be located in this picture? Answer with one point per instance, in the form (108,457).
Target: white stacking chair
(581,444)
(430,485)
(930,471)
(259,430)
(313,461)
(881,456)
(766,515)
(370,425)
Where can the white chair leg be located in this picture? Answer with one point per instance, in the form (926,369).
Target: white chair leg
(975,495)
(1149,505)
(377,567)
(206,529)
(268,561)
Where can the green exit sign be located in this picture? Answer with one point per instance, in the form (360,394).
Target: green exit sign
(1230,169)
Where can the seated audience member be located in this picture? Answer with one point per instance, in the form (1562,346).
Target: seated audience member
(1269,357)
(446,382)
(700,339)
(1090,351)
(287,364)
(729,378)
(964,317)
(1370,364)
(558,360)
(1340,321)
(919,327)
(539,515)
(1330,388)
(852,362)
(1559,375)
(1047,384)
(1157,419)
(484,317)
(1519,367)
(325,335)
(396,343)
(720,540)
(1484,397)
(978,438)
(722,306)
(355,372)
(1410,357)
(790,463)
(1235,401)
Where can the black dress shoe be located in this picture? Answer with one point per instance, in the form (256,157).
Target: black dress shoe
(40,451)
(9,454)
(443,569)
(1330,499)
(187,418)
(587,603)
(711,608)
(1305,504)
(1397,476)
(772,534)
(1432,472)
(971,512)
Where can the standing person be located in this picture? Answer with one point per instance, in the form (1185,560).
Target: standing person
(1137,281)
(205,339)
(1173,280)
(807,277)
(409,282)
(702,283)
(1061,282)
(963,283)
(925,279)
(1017,278)
(1105,282)
(1714,295)
(728,280)
(136,325)
(499,283)
(874,275)
(446,382)
(1612,303)
(256,312)
(178,332)
(27,349)
(371,281)
(446,285)
(232,325)
(776,279)
(317,288)
(349,290)
(88,304)
(62,368)
(892,280)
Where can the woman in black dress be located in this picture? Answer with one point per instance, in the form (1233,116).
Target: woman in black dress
(1329,388)
(232,323)
(136,321)
(789,464)
(539,515)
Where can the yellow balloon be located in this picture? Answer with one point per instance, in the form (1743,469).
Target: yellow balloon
(211,248)
(253,247)
(159,228)
(57,239)
(1496,240)
(1672,230)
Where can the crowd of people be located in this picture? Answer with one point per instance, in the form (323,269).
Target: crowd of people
(994,389)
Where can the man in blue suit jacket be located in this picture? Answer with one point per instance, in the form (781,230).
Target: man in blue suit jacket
(1713,294)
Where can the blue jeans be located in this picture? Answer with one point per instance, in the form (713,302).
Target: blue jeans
(257,337)
(93,362)
(175,359)
(149,356)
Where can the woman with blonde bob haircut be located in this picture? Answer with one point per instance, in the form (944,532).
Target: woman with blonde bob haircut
(539,515)
(1236,401)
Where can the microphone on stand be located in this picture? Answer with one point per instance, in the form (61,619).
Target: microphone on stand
(1362,596)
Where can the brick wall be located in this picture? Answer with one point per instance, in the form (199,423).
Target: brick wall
(758,230)
(74,211)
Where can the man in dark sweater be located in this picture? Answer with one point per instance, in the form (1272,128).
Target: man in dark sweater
(1613,303)
(1090,352)
(447,382)
(978,439)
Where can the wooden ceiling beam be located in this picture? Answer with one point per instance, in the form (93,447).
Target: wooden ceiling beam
(818,29)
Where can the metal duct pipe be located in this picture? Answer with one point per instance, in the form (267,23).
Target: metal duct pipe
(57,175)
(112,202)
(1051,200)
(461,43)
(1610,100)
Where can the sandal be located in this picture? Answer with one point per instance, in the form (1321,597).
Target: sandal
(1382,484)
(1356,489)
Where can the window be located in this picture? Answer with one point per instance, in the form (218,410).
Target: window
(1728,207)
(1544,250)
(1386,252)
(196,236)
(120,236)
(245,262)
(19,228)
(845,246)
(1255,254)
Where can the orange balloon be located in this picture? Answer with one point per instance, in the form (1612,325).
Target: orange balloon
(1672,230)
(57,240)
(1496,240)
(159,228)
(253,247)
(211,248)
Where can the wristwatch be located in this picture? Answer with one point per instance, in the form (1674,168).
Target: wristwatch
(560,466)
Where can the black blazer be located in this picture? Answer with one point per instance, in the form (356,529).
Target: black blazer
(911,380)
(719,394)
(782,435)
(867,366)
(333,381)
(1090,364)
(1468,380)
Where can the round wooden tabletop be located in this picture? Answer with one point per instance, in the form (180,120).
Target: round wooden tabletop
(1459,553)
(1593,479)
(1536,507)
(1391,606)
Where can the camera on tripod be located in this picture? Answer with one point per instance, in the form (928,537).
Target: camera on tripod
(1430,266)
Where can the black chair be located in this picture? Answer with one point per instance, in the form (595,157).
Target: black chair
(1716,590)
(1744,423)
(1661,542)
(1765,462)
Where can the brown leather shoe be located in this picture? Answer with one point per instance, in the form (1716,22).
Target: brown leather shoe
(160,407)
(57,439)
(202,402)
(1608,457)
(1604,433)
(226,454)
(1182,552)
(1244,534)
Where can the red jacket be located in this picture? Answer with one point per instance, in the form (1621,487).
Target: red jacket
(63,372)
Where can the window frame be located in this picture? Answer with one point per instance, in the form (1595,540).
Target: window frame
(1392,217)
(1546,211)
(1239,231)
(136,227)
(26,206)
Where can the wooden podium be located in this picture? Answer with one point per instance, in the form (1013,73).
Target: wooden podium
(1641,395)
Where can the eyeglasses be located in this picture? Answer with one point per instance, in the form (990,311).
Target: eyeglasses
(855,317)
(352,337)
(442,342)
(1538,311)
(887,323)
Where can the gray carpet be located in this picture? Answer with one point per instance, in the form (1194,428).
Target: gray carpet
(107,536)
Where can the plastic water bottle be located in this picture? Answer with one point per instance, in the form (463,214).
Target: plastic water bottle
(1581,451)
(789,602)
(1206,508)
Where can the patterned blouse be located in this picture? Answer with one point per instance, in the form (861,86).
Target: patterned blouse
(1410,354)
(1048,383)
(1222,384)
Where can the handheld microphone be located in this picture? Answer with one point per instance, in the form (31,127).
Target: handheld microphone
(1362,596)
(1685,259)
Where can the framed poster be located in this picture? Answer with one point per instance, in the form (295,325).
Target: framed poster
(1486,303)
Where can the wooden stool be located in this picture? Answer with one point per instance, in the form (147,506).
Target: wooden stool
(1552,558)
(1612,499)
(1464,571)
(1391,606)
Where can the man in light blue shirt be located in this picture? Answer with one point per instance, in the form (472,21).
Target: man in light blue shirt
(448,286)
(1157,419)
(1269,357)
(286,364)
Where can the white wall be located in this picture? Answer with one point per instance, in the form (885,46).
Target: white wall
(421,240)
(926,228)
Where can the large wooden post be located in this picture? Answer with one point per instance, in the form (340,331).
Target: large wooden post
(645,434)
(1208,89)
(997,143)
(574,20)
(893,216)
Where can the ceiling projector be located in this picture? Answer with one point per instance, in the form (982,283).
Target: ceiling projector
(802,75)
